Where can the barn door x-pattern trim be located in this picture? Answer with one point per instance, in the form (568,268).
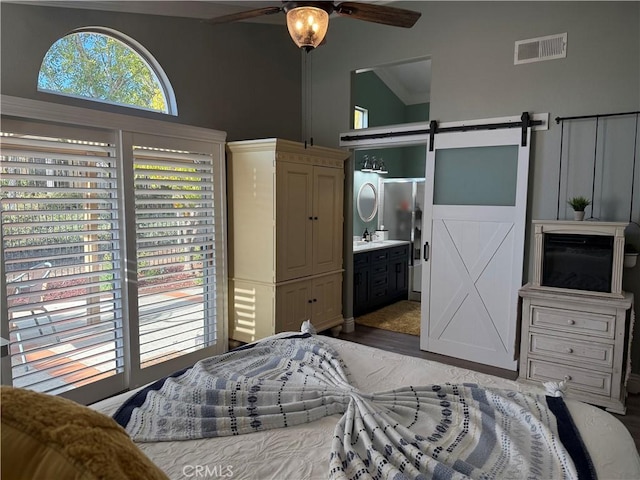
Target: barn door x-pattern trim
(469,276)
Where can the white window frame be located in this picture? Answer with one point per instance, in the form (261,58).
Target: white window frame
(123,125)
(365,117)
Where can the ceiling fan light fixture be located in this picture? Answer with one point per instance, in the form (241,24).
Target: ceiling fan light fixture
(307,25)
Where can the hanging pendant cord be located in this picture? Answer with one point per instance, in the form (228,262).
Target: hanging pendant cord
(305,107)
(560,169)
(595,158)
(308,64)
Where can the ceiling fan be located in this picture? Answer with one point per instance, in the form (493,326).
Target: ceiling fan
(308,21)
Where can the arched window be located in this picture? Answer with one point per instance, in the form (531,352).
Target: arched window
(104,65)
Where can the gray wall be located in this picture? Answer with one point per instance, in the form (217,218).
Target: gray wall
(244,79)
(471,47)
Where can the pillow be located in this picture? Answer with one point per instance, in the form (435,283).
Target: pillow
(49,437)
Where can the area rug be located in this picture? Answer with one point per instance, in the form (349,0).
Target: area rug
(402,316)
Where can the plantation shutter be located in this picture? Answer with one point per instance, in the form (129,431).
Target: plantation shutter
(175,217)
(61,246)
(112,249)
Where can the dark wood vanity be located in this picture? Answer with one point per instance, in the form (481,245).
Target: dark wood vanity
(380,276)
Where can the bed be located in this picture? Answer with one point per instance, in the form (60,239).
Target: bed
(305,450)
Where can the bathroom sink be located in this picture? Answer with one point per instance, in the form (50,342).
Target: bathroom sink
(360,243)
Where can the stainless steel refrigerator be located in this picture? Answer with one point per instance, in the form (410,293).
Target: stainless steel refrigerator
(400,212)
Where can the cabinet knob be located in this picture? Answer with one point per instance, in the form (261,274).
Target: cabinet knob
(309,301)
(310,218)
(315,299)
(567,378)
(571,322)
(315,218)
(569,350)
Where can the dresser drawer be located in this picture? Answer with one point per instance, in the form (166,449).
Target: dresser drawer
(379,281)
(399,252)
(380,269)
(598,383)
(378,293)
(572,321)
(381,255)
(594,353)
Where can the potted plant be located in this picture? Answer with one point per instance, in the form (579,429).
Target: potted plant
(579,204)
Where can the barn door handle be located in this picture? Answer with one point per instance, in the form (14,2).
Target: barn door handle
(425,252)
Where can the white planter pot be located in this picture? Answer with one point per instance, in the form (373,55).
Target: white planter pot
(578,215)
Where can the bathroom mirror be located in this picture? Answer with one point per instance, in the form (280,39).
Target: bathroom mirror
(367,202)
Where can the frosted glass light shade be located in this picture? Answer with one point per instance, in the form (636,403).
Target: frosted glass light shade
(307,26)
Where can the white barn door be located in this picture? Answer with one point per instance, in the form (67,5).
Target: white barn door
(475,205)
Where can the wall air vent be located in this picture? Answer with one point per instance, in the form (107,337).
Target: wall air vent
(541,48)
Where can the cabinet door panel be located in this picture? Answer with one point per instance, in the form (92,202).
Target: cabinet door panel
(293,306)
(294,197)
(327,236)
(327,300)
(361,290)
(398,271)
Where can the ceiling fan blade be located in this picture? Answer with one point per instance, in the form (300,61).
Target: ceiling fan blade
(235,17)
(396,17)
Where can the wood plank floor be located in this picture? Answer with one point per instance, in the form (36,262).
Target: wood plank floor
(410,345)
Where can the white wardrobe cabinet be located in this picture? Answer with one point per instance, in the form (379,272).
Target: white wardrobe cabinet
(285,221)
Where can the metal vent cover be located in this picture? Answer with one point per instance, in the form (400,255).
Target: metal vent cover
(541,48)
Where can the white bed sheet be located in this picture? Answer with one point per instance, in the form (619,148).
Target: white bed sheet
(302,452)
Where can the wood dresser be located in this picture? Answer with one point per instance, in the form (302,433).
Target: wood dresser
(583,340)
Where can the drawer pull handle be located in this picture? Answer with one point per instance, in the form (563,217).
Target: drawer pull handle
(571,322)
(569,350)
(567,378)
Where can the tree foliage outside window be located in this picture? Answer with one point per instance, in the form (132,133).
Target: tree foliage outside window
(100,67)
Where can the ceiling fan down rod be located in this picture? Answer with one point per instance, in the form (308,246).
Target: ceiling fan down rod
(328,7)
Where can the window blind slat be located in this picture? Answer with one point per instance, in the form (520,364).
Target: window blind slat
(87,164)
(158,158)
(52,250)
(30,143)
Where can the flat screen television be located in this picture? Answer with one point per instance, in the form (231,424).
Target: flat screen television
(584,257)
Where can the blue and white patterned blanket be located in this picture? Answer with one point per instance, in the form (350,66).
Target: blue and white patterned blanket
(435,431)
